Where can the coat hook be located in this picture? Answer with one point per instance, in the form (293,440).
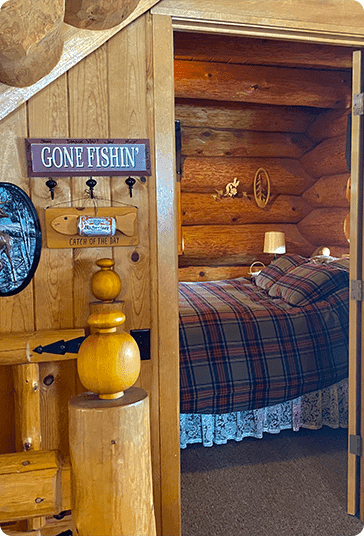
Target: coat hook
(51,183)
(130,182)
(91,183)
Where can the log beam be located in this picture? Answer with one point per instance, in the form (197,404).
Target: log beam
(208,174)
(33,484)
(31,43)
(203,209)
(250,83)
(98,14)
(214,142)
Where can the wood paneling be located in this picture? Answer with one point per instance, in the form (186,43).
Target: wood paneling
(88,118)
(249,83)
(131,100)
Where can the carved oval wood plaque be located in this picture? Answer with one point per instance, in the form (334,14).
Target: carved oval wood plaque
(261,188)
(20,239)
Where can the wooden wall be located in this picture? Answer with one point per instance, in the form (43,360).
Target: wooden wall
(109,94)
(246,104)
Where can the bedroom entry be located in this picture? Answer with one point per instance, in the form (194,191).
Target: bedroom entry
(194,270)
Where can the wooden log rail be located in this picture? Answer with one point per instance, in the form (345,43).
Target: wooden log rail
(34,483)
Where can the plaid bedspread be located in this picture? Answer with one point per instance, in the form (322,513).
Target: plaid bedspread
(242,350)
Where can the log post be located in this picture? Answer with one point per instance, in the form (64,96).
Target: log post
(111,465)
(27,411)
(109,425)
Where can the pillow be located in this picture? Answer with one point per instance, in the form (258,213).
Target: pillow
(309,282)
(269,275)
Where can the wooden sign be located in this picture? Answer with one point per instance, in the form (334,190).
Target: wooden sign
(113,226)
(87,157)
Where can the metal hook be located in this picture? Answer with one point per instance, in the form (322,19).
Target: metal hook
(91,183)
(51,183)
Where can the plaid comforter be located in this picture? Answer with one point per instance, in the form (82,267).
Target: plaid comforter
(241,349)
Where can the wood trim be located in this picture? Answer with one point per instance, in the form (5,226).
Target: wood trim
(356,223)
(77,45)
(344,26)
(167,274)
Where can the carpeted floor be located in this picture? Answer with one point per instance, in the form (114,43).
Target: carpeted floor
(290,484)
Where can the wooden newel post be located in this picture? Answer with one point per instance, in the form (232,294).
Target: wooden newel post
(109,430)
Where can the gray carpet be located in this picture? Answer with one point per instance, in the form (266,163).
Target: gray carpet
(290,484)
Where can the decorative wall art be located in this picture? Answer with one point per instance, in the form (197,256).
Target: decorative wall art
(20,239)
(261,188)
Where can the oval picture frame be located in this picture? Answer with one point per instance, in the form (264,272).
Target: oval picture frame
(20,239)
(261,187)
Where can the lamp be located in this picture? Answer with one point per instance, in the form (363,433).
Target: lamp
(274,242)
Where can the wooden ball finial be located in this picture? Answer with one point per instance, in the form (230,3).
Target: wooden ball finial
(106,283)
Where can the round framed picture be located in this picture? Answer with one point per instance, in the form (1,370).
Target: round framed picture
(20,239)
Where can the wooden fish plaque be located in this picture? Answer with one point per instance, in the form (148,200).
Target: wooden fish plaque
(82,228)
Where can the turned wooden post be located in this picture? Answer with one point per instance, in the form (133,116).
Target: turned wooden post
(109,427)
(31,43)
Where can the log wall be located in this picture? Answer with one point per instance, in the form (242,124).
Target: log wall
(236,118)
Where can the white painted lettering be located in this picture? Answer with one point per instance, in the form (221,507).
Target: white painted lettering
(98,164)
(90,155)
(79,151)
(45,163)
(114,157)
(68,156)
(105,156)
(60,157)
(130,155)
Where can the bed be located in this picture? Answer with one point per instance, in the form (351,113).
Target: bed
(264,354)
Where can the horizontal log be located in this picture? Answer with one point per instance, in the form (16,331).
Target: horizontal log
(328,124)
(235,49)
(203,209)
(31,40)
(217,245)
(98,14)
(213,142)
(212,273)
(329,191)
(324,226)
(17,348)
(206,175)
(327,158)
(30,485)
(271,85)
(244,116)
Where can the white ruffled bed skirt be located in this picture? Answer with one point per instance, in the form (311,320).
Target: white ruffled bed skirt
(326,407)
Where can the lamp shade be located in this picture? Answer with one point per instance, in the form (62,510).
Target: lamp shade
(274,242)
